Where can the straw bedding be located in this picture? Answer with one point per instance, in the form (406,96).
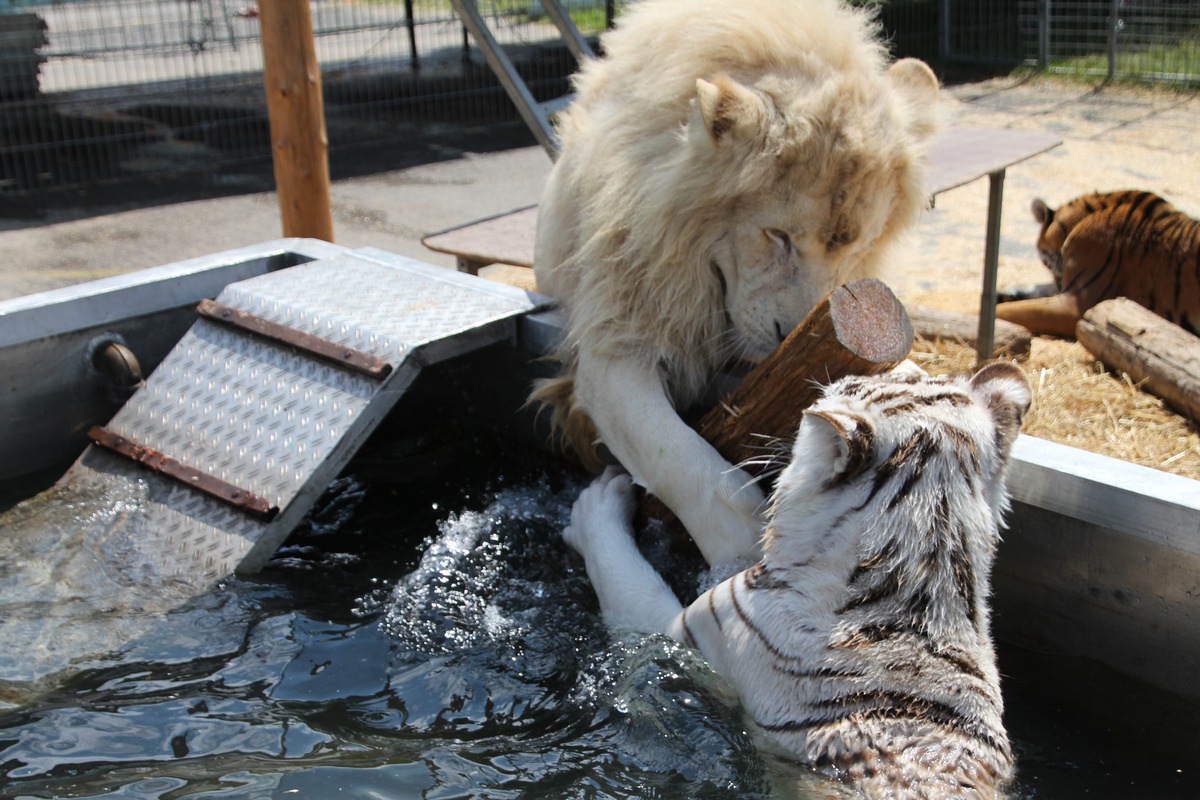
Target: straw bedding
(1079,402)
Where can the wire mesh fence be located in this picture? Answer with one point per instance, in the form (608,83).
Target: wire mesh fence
(100,90)
(1152,40)
(1143,40)
(96,90)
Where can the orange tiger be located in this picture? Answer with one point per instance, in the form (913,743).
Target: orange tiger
(1131,244)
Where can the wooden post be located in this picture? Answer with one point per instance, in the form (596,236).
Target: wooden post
(296,111)
(858,329)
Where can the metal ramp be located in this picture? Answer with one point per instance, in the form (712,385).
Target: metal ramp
(277,384)
(537,116)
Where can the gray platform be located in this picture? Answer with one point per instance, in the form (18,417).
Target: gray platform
(273,422)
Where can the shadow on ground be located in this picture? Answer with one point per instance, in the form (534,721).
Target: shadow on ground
(428,144)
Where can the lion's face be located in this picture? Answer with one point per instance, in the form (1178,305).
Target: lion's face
(782,254)
(819,185)
(706,226)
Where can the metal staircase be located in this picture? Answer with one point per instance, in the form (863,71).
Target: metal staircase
(536,115)
(265,399)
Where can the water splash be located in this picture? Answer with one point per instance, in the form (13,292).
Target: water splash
(501,638)
(486,576)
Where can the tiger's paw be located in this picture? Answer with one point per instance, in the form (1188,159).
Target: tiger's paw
(1012,294)
(605,508)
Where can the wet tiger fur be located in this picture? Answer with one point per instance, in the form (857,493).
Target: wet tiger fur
(861,640)
(1100,246)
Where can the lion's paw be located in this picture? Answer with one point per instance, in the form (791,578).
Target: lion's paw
(726,523)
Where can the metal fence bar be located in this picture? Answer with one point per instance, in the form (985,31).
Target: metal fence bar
(1114,27)
(1043,29)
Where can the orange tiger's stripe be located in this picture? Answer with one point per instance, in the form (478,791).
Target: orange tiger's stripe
(1128,243)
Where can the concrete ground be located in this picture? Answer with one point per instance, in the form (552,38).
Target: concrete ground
(1114,138)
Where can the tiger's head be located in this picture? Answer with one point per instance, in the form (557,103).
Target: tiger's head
(1050,239)
(889,436)
(903,475)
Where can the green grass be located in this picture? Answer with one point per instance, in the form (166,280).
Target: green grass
(588,20)
(1177,63)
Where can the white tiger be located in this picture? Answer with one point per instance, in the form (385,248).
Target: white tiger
(861,640)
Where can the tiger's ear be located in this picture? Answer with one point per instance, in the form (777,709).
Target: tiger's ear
(728,110)
(1041,212)
(850,439)
(1006,393)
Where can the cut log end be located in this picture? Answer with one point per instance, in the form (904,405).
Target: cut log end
(870,322)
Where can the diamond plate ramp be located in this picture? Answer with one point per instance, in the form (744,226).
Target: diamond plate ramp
(250,431)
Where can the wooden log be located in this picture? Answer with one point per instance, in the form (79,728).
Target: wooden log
(858,329)
(1010,340)
(1132,339)
(296,112)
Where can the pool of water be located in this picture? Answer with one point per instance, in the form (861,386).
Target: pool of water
(433,638)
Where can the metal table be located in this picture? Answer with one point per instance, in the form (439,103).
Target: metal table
(962,155)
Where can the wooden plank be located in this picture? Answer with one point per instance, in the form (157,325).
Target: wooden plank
(957,157)
(503,239)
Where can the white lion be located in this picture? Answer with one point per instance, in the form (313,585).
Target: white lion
(723,168)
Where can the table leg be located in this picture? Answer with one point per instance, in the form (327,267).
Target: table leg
(469,265)
(991,261)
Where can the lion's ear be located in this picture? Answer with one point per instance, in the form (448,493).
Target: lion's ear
(914,77)
(917,84)
(728,109)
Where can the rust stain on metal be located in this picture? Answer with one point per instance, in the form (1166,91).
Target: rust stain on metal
(340,355)
(163,464)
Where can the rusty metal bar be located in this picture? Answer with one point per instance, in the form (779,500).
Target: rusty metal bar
(334,353)
(165,465)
